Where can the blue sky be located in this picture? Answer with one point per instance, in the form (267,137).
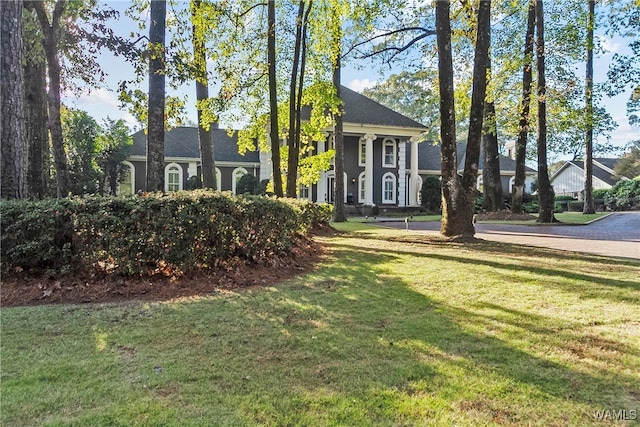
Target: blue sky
(103,102)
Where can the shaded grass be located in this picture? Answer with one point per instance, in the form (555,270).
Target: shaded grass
(388,331)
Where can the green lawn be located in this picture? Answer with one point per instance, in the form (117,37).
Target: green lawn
(387,331)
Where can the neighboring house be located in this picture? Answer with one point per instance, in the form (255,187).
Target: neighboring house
(429,164)
(379,168)
(569,179)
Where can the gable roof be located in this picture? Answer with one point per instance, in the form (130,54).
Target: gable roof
(429,158)
(182,141)
(598,172)
(360,110)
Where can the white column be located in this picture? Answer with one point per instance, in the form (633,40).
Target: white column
(368,169)
(413,180)
(321,187)
(402,173)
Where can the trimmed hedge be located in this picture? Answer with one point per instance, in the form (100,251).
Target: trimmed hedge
(144,235)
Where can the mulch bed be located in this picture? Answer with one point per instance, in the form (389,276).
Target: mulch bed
(504,215)
(21,289)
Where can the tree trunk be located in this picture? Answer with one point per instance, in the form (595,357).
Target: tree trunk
(339,214)
(273,98)
(523,125)
(492,185)
(589,206)
(450,178)
(478,95)
(155,120)
(293,141)
(12,124)
(545,191)
(50,42)
(35,81)
(205,136)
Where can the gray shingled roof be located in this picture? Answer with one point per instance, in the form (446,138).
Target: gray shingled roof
(598,172)
(607,162)
(429,158)
(362,110)
(183,142)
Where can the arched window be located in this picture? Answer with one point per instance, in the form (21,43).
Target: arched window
(127,182)
(389,153)
(237,174)
(172,177)
(388,188)
(361,187)
(218,180)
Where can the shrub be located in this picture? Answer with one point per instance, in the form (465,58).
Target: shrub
(246,184)
(142,235)
(576,206)
(625,195)
(431,194)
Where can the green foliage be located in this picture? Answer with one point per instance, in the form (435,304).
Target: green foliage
(625,195)
(81,133)
(599,193)
(114,144)
(246,184)
(194,182)
(431,194)
(629,164)
(146,235)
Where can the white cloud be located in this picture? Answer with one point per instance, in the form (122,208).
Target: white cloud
(360,84)
(98,97)
(609,45)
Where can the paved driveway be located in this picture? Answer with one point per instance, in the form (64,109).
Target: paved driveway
(615,235)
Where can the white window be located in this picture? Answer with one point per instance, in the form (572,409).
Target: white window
(237,174)
(304,192)
(127,184)
(480,183)
(389,188)
(362,153)
(218,180)
(512,182)
(172,177)
(389,153)
(361,187)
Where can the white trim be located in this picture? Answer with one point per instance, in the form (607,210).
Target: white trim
(362,147)
(132,172)
(167,173)
(361,187)
(234,180)
(389,177)
(332,174)
(218,179)
(512,182)
(307,189)
(389,142)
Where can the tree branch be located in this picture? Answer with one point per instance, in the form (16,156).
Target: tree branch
(399,50)
(426,32)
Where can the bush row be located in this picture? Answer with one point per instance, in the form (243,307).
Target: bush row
(142,235)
